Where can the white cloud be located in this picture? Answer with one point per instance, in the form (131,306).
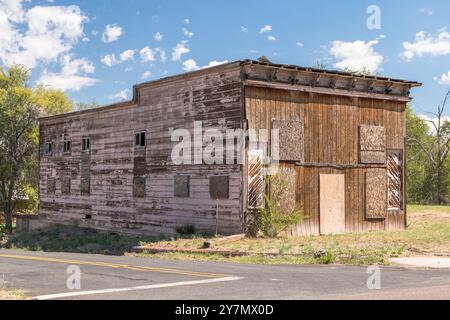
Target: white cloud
(179,50)
(40,34)
(121,96)
(271,38)
(187,21)
(187,33)
(112,33)
(430,121)
(162,54)
(299,44)
(214,63)
(444,79)
(266,28)
(190,65)
(147,54)
(158,36)
(244,29)
(426,44)
(127,55)
(110,60)
(357,55)
(426,11)
(146,75)
(70,78)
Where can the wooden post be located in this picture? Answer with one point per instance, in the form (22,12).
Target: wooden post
(217,217)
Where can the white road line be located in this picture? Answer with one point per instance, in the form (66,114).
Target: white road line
(154,286)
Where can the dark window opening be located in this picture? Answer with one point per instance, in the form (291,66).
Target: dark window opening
(67,146)
(139,141)
(86,144)
(88,217)
(48,148)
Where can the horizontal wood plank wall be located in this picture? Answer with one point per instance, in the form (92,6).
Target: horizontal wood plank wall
(331,137)
(214,98)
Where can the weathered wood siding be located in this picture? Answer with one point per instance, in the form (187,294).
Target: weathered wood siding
(213,97)
(331,128)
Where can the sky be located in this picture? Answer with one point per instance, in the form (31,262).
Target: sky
(97,50)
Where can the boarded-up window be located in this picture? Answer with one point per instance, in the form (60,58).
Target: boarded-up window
(65,185)
(376,194)
(290,140)
(181,186)
(51,185)
(139,187)
(219,187)
(372,144)
(395,179)
(85,186)
(256,186)
(85,173)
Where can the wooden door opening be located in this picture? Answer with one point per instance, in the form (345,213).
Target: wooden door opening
(332,204)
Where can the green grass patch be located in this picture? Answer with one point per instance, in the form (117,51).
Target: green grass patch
(73,239)
(428,233)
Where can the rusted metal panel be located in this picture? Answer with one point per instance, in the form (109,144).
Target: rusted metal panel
(395,179)
(256,185)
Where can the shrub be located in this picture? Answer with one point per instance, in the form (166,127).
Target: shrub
(276,216)
(186,230)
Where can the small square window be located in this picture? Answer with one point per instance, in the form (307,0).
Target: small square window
(139,140)
(67,146)
(48,148)
(86,144)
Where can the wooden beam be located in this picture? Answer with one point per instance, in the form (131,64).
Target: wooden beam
(329,91)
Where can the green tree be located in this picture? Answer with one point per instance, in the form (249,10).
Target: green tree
(20,107)
(428,151)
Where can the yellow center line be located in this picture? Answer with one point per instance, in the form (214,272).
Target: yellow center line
(116,266)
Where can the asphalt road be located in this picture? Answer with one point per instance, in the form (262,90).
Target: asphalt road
(45,275)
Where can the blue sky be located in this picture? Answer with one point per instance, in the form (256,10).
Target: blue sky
(97,50)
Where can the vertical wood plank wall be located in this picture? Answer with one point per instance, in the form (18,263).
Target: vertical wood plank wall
(213,97)
(331,136)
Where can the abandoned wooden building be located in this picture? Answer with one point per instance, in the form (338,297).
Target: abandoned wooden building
(341,141)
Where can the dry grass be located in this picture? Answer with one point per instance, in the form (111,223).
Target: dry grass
(11,294)
(428,234)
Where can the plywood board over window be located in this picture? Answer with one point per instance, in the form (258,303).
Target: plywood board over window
(219,187)
(290,140)
(65,185)
(372,140)
(181,186)
(395,179)
(332,203)
(51,185)
(139,187)
(376,193)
